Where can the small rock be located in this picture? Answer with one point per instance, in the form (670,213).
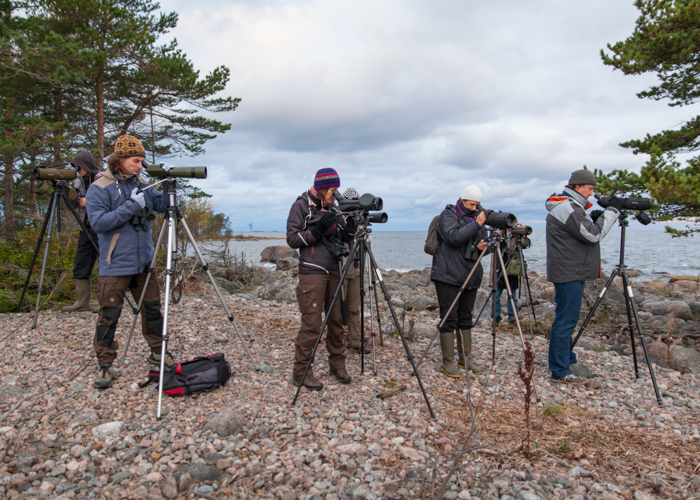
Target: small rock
(205,490)
(203,472)
(185,482)
(110,430)
(226,423)
(169,487)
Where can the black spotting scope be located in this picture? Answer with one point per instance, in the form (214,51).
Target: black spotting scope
(159,172)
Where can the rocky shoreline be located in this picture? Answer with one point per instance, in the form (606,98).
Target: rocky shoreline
(60,438)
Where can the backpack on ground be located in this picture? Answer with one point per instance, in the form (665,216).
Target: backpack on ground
(431,241)
(198,374)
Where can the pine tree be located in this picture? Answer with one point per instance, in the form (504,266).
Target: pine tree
(666,41)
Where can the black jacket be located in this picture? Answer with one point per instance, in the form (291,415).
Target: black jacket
(314,256)
(454,236)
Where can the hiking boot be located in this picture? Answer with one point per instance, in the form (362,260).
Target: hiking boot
(154,360)
(83,290)
(498,320)
(105,376)
(342,375)
(464,339)
(310,382)
(359,350)
(447,344)
(511,321)
(570,379)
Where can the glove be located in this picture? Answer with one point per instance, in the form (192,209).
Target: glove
(323,225)
(139,198)
(167,166)
(595,214)
(616,203)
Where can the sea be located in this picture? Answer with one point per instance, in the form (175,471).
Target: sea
(652,252)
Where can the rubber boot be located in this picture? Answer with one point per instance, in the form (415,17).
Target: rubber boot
(83,289)
(447,344)
(466,342)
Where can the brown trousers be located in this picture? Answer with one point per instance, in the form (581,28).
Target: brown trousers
(352,297)
(110,293)
(314,293)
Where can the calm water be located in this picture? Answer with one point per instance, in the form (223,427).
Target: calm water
(652,252)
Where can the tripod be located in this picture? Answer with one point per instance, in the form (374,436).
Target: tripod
(630,305)
(360,244)
(60,192)
(365,249)
(175,216)
(494,288)
(494,246)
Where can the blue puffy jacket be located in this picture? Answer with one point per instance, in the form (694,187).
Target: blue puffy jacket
(124,250)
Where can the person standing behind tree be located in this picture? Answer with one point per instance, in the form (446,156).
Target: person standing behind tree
(86,254)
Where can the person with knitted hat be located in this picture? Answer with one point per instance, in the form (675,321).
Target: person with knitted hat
(313,220)
(573,257)
(461,237)
(121,217)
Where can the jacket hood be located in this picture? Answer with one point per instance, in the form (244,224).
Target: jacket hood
(85,160)
(567,195)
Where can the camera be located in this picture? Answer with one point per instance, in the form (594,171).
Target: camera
(521,230)
(634,203)
(500,220)
(43,173)
(159,172)
(365,203)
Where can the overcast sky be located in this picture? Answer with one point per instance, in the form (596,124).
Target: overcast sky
(414,100)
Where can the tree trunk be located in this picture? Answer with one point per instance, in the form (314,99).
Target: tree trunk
(99,94)
(9,185)
(58,138)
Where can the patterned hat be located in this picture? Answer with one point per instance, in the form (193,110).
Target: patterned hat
(128,145)
(351,194)
(326,178)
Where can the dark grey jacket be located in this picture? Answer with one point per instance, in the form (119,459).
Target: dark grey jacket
(81,184)
(449,263)
(573,240)
(314,257)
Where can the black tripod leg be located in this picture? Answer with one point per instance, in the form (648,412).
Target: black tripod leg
(353,249)
(362,306)
(36,253)
(628,307)
(630,297)
(589,317)
(494,291)
(49,230)
(387,297)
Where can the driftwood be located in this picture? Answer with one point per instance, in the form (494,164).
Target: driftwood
(392,392)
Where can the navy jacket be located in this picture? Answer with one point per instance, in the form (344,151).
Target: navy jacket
(124,250)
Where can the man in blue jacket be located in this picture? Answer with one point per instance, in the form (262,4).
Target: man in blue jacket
(573,257)
(121,217)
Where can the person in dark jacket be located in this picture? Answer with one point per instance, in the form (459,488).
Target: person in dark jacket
(573,257)
(461,238)
(86,254)
(319,275)
(126,251)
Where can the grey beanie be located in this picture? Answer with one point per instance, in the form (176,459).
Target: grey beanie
(582,177)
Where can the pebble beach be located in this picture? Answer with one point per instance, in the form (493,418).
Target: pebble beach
(61,438)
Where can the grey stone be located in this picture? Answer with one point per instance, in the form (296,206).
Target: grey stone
(120,476)
(35,449)
(185,482)
(642,495)
(169,487)
(684,360)
(581,370)
(226,423)
(527,495)
(664,307)
(360,493)
(110,430)
(229,286)
(203,472)
(287,264)
(205,490)
(84,418)
(420,301)
(273,253)
(67,486)
(212,458)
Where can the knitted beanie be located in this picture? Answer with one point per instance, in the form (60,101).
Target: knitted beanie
(582,177)
(128,145)
(326,178)
(472,193)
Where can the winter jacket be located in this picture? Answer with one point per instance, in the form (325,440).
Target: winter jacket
(573,240)
(454,236)
(314,256)
(124,250)
(81,184)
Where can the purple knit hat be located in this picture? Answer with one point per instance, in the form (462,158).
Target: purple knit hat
(326,178)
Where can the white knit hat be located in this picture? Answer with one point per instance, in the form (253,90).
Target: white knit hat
(472,193)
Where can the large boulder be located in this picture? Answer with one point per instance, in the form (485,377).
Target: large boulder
(288,263)
(664,307)
(271,254)
(684,360)
(684,277)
